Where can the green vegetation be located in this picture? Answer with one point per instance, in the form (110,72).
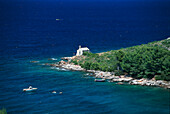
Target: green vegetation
(3,111)
(143,61)
(166,43)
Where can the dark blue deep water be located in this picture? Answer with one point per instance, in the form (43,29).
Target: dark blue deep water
(29,31)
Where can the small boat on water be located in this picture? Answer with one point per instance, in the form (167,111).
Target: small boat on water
(99,80)
(30,89)
(120,83)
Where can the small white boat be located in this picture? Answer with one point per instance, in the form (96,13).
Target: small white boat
(99,80)
(30,89)
(120,83)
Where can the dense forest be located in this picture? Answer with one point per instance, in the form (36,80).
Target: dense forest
(142,61)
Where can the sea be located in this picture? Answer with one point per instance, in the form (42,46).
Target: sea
(36,30)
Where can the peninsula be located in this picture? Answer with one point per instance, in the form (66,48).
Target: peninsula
(146,64)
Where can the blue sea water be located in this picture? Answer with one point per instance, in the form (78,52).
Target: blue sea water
(29,31)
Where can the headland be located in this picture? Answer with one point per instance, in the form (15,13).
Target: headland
(146,65)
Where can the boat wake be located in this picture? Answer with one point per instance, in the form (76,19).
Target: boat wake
(53,59)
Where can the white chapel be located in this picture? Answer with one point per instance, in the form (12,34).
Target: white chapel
(81,50)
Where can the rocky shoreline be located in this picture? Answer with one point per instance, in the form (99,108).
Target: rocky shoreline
(110,76)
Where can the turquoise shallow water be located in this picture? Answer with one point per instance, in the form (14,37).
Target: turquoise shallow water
(29,32)
(80,93)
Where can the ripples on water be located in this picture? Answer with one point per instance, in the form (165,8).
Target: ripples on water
(29,32)
(80,93)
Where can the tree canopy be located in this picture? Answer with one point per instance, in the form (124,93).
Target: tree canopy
(143,61)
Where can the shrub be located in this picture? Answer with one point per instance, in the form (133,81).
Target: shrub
(75,62)
(159,77)
(3,111)
(118,72)
(167,78)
